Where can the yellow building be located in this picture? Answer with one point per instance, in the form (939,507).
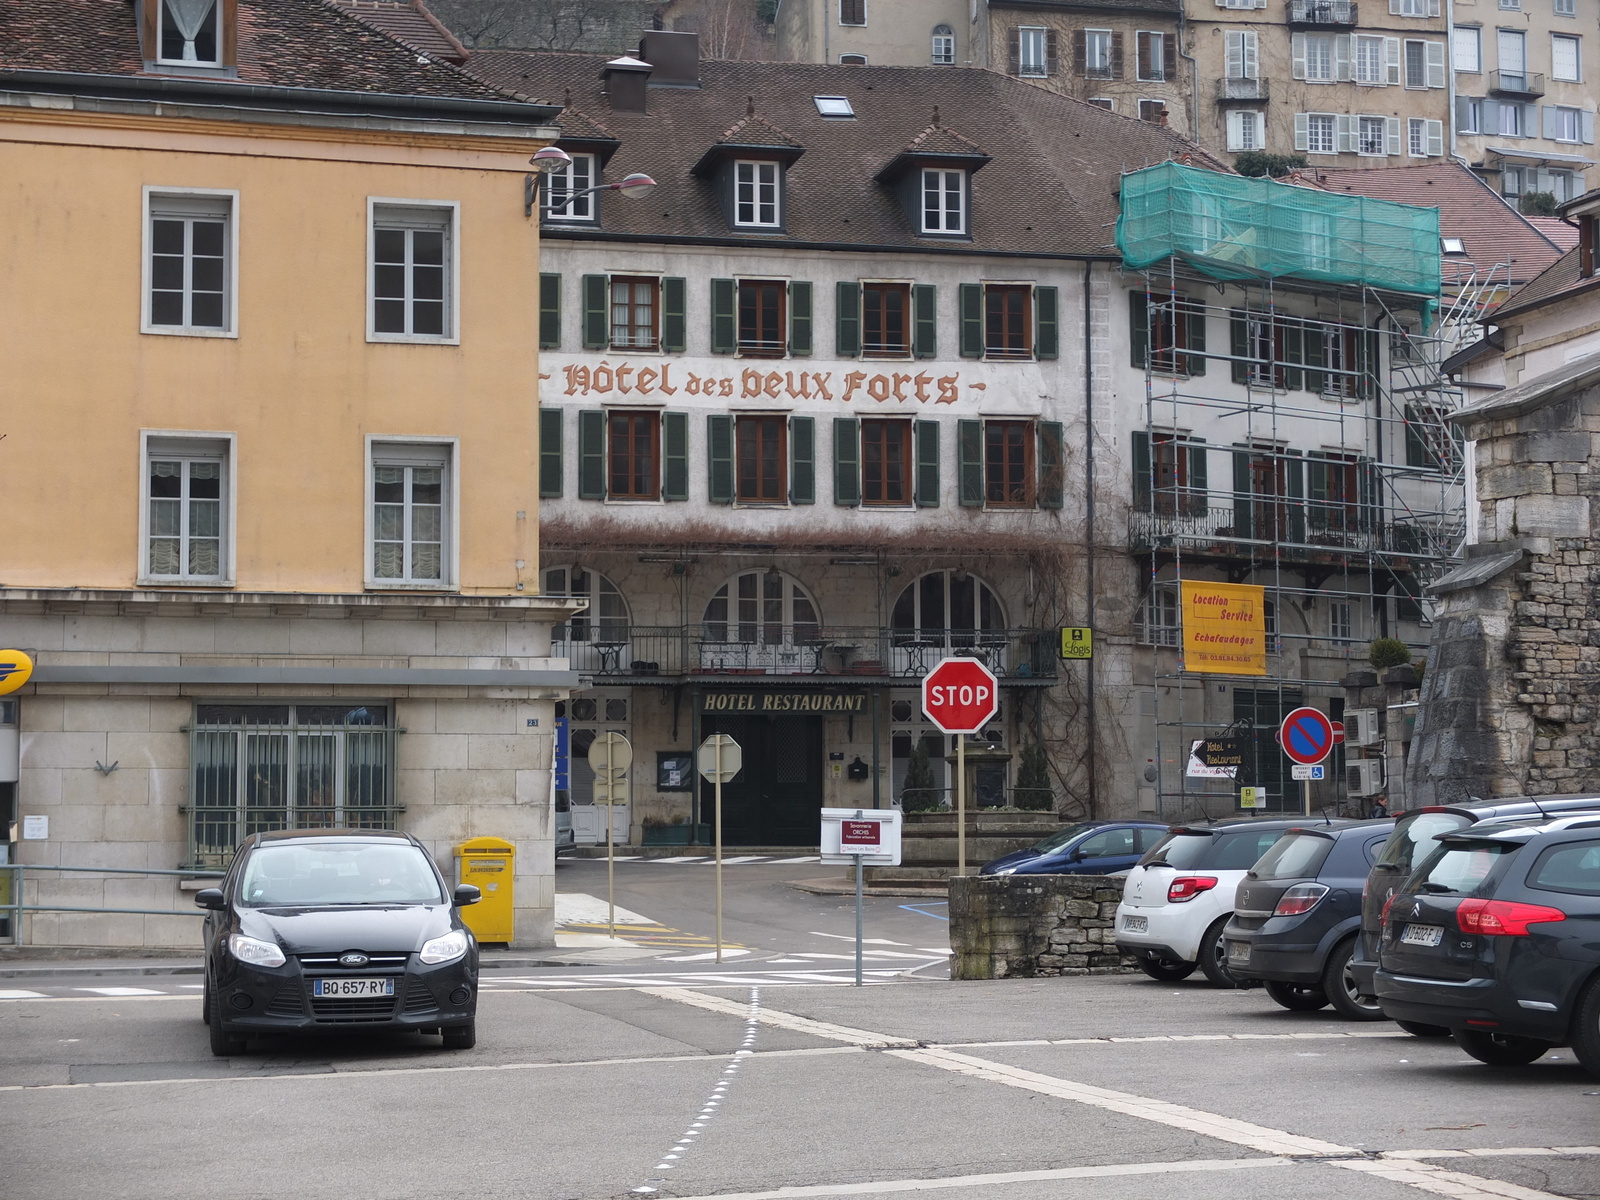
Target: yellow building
(269,283)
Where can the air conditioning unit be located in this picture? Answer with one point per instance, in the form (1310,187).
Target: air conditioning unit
(1361,727)
(1364,777)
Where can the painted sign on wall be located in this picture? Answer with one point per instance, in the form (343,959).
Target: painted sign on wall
(663,379)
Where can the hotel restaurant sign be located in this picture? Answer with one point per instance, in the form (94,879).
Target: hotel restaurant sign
(799,702)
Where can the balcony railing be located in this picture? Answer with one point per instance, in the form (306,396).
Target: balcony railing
(1516,83)
(756,648)
(1296,529)
(1241,89)
(1322,13)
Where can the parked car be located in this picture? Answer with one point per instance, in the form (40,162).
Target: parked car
(1411,842)
(1180,895)
(1297,914)
(337,929)
(1496,937)
(1087,848)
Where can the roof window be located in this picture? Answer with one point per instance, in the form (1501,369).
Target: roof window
(833,106)
(1452,245)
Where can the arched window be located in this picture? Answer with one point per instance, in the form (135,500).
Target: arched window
(606,618)
(947,611)
(944,46)
(761,619)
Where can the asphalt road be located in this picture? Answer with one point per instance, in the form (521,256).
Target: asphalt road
(777,1080)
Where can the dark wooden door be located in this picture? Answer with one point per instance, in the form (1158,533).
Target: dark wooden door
(776,800)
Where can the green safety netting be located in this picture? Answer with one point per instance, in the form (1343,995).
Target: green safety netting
(1234,227)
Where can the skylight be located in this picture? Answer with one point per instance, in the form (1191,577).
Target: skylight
(1452,245)
(834,106)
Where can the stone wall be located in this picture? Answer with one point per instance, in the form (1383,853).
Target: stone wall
(1004,926)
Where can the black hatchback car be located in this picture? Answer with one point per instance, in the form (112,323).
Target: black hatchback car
(337,930)
(1496,936)
(1296,915)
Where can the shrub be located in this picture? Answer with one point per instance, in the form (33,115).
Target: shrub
(1537,204)
(920,792)
(1388,652)
(1259,162)
(1033,791)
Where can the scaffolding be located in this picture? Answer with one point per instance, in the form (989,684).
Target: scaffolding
(1327,401)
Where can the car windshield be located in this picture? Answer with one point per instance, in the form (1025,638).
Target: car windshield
(1413,838)
(1179,849)
(1057,840)
(1294,856)
(1460,868)
(339,873)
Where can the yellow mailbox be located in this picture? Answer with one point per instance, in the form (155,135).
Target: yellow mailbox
(486,863)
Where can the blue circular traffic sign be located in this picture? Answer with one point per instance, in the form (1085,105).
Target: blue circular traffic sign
(1306,736)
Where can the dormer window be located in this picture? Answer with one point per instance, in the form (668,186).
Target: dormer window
(944,201)
(560,203)
(190,31)
(755,194)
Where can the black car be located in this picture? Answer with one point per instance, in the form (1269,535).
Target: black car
(1496,937)
(337,929)
(1296,915)
(1411,842)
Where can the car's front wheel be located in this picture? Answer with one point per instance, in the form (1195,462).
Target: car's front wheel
(223,1043)
(1297,997)
(1214,955)
(1168,970)
(1501,1049)
(461,1037)
(1339,982)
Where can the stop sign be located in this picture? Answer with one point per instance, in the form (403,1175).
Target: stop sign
(960,695)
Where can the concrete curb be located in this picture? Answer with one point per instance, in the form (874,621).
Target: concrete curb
(832,887)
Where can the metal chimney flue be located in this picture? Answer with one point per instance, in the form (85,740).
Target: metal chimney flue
(625,80)
(675,57)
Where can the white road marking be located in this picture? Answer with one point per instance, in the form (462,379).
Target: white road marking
(866,954)
(682,858)
(707,956)
(580,908)
(1497,1152)
(120,991)
(783,1020)
(17,994)
(847,937)
(805,858)
(1456,1184)
(743,859)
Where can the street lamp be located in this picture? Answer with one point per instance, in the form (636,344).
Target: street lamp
(554,158)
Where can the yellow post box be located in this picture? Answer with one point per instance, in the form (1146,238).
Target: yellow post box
(486,863)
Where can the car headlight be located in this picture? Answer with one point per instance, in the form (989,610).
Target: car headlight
(1005,871)
(443,949)
(255,952)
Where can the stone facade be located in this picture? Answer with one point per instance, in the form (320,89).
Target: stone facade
(1003,926)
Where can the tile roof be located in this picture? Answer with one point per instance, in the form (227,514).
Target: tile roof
(1051,187)
(1469,209)
(1555,282)
(756,131)
(1558,231)
(410,22)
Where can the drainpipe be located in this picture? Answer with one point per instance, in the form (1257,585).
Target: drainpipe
(1088,514)
(1450,73)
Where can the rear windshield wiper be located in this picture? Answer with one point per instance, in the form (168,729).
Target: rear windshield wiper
(1435,888)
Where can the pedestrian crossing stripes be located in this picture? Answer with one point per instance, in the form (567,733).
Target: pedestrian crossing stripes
(651,934)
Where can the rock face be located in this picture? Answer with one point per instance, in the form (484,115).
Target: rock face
(1512,689)
(1030,925)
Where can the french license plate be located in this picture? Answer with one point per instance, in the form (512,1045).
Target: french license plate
(1136,924)
(351,989)
(1422,935)
(1238,952)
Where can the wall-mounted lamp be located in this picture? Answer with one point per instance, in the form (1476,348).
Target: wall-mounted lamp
(774,576)
(554,158)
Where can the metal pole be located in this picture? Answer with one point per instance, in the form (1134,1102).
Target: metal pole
(858,919)
(720,745)
(611,852)
(16,906)
(961,804)
(1307,786)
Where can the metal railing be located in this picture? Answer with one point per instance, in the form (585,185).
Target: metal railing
(1291,524)
(1322,12)
(1241,89)
(1516,83)
(13,899)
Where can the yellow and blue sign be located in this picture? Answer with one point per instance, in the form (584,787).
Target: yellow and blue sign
(16,668)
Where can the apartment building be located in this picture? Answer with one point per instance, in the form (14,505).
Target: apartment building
(888,33)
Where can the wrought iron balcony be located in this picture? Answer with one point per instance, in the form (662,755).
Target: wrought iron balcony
(1241,89)
(1515,83)
(1295,529)
(1323,14)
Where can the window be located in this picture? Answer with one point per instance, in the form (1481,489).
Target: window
(1032,59)
(1008,323)
(190,33)
(1565,63)
(1370,136)
(1564,8)
(1340,624)
(1319,58)
(1097,54)
(755,194)
(185,519)
(886,462)
(1512,123)
(633,448)
(833,106)
(408,522)
(1416,65)
(634,312)
(761,608)
(1247,130)
(1008,464)
(1452,245)
(1408,8)
(1511,4)
(1466,43)
(944,201)
(1424,138)
(1370,61)
(605,620)
(190,249)
(944,46)
(1154,111)
(1563,124)
(1158,623)
(1154,50)
(852,12)
(1432,442)
(1104,102)
(1243,57)
(852,60)
(762,459)
(1167,325)
(951,609)
(413,272)
(885,324)
(1512,47)
(1469,115)
(1320,133)
(1177,479)
(560,186)
(761,304)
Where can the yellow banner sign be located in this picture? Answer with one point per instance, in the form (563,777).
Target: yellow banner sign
(1224,628)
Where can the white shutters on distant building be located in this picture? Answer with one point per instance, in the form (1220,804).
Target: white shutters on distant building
(1468,48)
(1243,58)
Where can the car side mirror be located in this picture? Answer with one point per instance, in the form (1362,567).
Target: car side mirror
(464,895)
(211,898)
(1077,854)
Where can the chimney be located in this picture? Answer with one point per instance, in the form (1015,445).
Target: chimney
(675,56)
(624,81)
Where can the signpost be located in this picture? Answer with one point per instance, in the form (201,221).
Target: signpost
(1307,737)
(861,835)
(960,696)
(719,759)
(610,755)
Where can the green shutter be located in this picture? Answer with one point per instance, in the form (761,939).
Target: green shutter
(925,320)
(1052,484)
(1294,470)
(846,461)
(1141,463)
(1316,356)
(1294,351)
(591,455)
(970,301)
(969,460)
(549,312)
(1241,494)
(719,459)
(927,485)
(1239,344)
(802,460)
(724,326)
(674,314)
(1046,323)
(596,299)
(1371,501)
(1138,327)
(847,322)
(549,453)
(1196,325)
(799,317)
(675,454)
(1198,499)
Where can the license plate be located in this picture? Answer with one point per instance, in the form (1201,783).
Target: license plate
(1136,924)
(1422,935)
(351,989)
(1238,952)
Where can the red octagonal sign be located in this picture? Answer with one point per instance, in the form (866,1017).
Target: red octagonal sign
(960,695)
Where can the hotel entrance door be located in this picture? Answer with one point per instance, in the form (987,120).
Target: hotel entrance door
(777,799)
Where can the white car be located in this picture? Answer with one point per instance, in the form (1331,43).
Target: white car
(1180,895)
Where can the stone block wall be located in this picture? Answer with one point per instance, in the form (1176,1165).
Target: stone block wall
(1005,926)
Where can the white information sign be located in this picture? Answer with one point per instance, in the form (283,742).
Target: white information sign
(872,834)
(1302,771)
(35,829)
(1198,769)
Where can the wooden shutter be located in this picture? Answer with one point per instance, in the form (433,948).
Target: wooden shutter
(1169,56)
(970,297)
(1239,344)
(925,320)
(724,324)
(1294,471)
(802,460)
(846,461)
(1052,484)
(1291,349)
(150,29)
(549,312)
(1047,323)
(596,300)
(1014,65)
(799,317)
(1302,131)
(1371,501)
(1142,42)
(1080,53)
(591,454)
(1052,61)
(1241,494)
(1116,54)
(1194,322)
(927,482)
(1138,328)
(550,481)
(969,462)
(675,455)
(674,314)
(847,319)
(1196,501)
(1141,471)
(719,459)
(1316,337)
(228,14)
